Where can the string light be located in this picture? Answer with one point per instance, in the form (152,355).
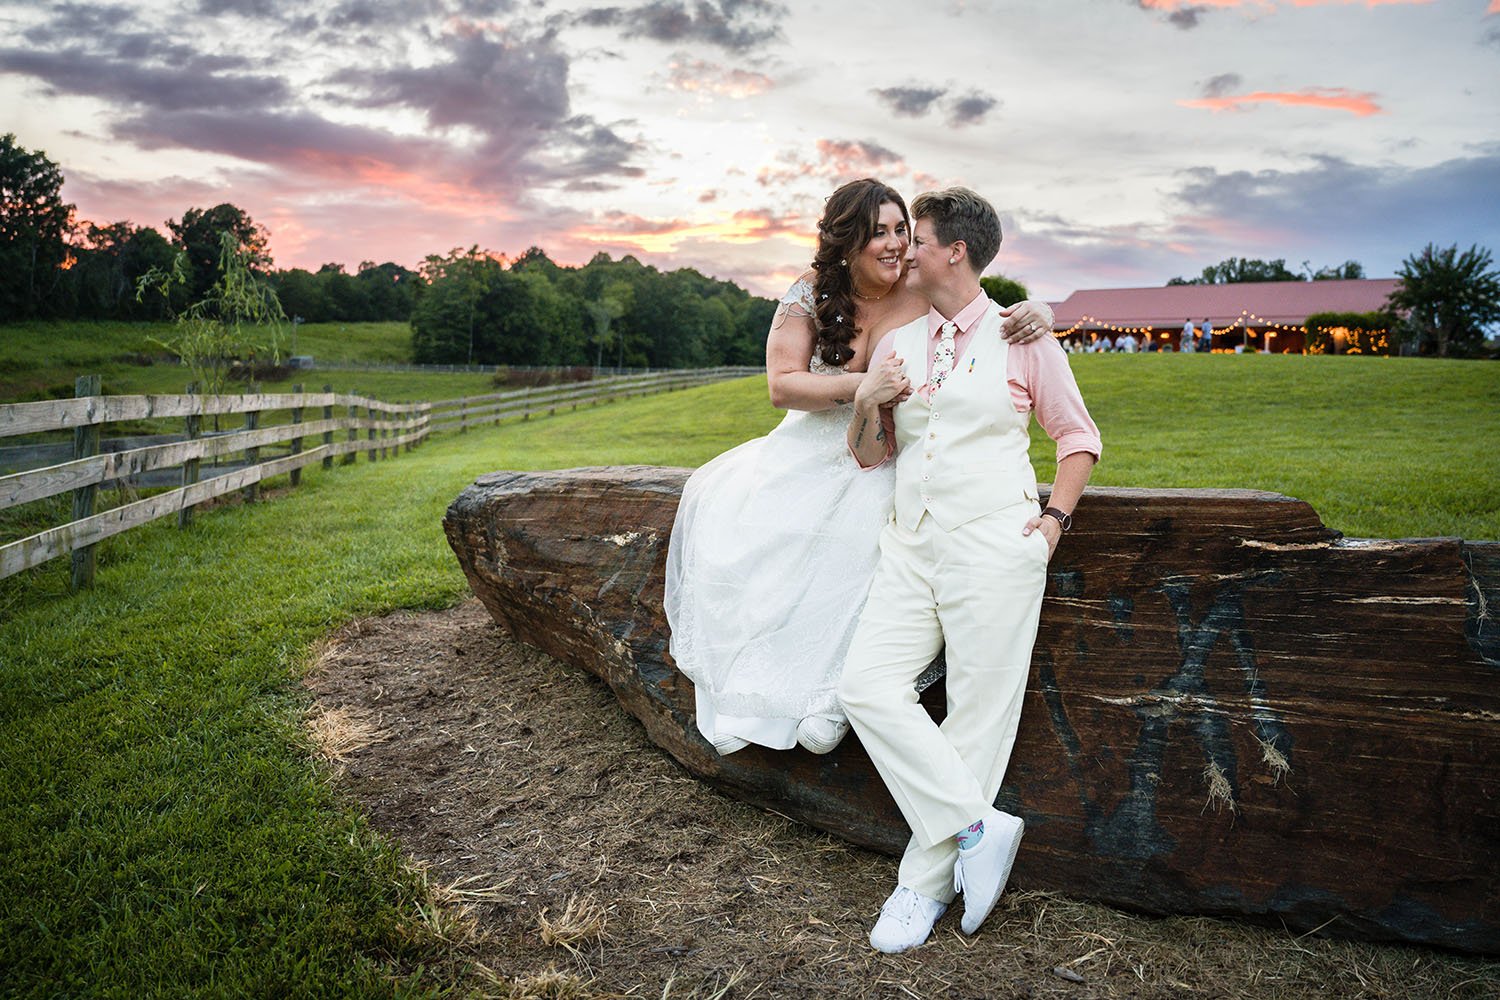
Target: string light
(1375,341)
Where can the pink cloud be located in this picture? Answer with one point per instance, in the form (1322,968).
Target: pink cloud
(1331,98)
(697,76)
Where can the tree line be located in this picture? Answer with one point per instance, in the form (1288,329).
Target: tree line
(466,306)
(473,306)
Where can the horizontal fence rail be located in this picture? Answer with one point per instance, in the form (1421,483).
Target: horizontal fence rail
(342,426)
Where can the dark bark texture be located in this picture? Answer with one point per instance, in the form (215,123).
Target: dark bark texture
(1233,710)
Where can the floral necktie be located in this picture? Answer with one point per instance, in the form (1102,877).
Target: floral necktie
(942,358)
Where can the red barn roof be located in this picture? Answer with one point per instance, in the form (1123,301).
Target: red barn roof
(1165,307)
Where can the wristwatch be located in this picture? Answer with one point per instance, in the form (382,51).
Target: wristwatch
(1063,520)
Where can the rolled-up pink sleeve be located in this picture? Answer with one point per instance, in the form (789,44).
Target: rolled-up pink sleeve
(882,351)
(1041,380)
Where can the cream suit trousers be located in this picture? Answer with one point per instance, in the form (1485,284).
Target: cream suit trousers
(978,591)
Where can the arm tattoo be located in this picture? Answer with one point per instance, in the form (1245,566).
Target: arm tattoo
(840,402)
(859,437)
(880,435)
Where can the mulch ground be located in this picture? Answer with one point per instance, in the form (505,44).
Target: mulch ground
(568,857)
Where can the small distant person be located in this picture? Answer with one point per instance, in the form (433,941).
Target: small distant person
(1105,344)
(1149,346)
(1189,337)
(1127,344)
(1206,340)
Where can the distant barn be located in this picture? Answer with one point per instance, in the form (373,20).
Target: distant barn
(1264,315)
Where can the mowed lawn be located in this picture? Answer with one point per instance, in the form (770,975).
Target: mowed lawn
(164,829)
(42,359)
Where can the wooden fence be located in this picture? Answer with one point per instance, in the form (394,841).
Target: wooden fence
(348,424)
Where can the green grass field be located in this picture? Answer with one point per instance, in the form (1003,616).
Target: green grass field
(41,360)
(163,829)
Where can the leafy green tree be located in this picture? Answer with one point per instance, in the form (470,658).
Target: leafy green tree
(1006,291)
(752,324)
(445,324)
(1448,298)
(110,262)
(34,226)
(1349,270)
(1234,270)
(302,294)
(389,290)
(613,302)
(200,233)
(240,316)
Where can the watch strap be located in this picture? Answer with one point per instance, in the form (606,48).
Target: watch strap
(1063,519)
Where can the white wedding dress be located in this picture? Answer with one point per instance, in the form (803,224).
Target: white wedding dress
(768,566)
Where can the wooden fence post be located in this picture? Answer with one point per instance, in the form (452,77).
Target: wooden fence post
(85,445)
(190,468)
(463,414)
(351,454)
(370,414)
(328,434)
(252,455)
(385,434)
(296,474)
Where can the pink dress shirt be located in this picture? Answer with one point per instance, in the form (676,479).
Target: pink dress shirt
(1037,375)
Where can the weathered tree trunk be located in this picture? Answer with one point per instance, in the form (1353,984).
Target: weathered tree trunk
(1232,709)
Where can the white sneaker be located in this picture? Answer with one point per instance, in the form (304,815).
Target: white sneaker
(821,733)
(905,921)
(726,744)
(980,872)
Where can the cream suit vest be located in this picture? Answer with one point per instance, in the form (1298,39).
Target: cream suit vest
(964,454)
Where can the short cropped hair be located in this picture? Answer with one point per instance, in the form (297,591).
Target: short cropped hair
(960,214)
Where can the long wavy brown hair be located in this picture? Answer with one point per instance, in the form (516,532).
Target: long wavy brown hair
(848,223)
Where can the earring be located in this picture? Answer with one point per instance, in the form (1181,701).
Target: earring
(843,262)
(953,260)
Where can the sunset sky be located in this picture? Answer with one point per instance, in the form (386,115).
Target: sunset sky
(1124,141)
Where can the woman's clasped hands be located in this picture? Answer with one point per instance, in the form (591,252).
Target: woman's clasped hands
(884,385)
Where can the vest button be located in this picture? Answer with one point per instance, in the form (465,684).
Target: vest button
(925,477)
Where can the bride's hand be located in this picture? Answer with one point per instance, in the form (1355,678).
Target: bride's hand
(1026,321)
(884,385)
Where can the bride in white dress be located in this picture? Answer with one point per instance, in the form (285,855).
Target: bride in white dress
(775,540)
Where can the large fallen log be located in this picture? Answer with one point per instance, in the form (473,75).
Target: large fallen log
(1232,710)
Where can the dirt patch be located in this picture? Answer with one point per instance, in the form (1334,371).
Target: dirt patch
(568,857)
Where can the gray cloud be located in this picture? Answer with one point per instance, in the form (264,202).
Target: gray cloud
(1372,209)
(248,8)
(1185,18)
(970,109)
(297,139)
(514,92)
(1330,211)
(909,101)
(490,84)
(916,101)
(186,81)
(1218,86)
(736,25)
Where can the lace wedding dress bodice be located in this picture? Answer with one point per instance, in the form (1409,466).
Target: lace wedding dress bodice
(770,559)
